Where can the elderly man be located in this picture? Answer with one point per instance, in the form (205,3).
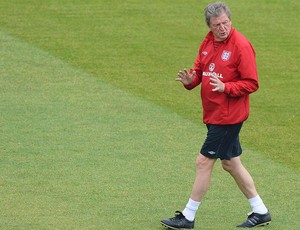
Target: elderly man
(226,69)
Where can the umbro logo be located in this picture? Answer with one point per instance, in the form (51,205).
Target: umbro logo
(211,152)
(204,53)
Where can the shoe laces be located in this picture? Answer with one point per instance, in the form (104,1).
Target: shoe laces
(249,214)
(178,215)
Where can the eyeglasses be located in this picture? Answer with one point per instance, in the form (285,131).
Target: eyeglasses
(217,26)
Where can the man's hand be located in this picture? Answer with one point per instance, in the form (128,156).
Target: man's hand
(218,85)
(185,77)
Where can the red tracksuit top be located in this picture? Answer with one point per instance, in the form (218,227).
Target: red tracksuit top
(233,61)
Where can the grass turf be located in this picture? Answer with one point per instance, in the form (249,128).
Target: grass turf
(98,137)
(140,46)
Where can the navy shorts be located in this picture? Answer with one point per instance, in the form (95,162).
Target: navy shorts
(222,141)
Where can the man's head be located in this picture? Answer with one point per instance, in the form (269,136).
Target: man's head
(217,16)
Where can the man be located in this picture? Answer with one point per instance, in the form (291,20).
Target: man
(226,69)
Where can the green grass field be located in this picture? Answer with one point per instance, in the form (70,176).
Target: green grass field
(96,134)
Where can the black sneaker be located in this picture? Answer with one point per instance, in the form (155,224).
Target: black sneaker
(255,220)
(177,222)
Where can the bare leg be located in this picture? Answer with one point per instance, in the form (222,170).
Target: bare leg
(204,167)
(185,219)
(241,176)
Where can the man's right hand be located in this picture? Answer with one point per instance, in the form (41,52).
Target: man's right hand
(185,77)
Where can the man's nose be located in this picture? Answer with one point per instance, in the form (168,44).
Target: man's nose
(222,27)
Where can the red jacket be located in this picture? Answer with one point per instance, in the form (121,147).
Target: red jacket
(233,61)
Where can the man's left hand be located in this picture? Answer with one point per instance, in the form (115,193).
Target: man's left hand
(218,85)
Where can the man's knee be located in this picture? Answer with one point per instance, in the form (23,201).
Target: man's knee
(231,165)
(226,165)
(203,162)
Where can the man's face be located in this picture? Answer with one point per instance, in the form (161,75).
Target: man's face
(220,27)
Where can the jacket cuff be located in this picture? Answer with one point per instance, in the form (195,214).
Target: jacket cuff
(227,88)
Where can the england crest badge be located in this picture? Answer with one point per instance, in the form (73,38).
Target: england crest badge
(226,55)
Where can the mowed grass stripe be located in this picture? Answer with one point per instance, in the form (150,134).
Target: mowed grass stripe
(77,153)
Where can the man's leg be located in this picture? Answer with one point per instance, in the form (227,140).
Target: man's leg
(241,176)
(204,167)
(260,215)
